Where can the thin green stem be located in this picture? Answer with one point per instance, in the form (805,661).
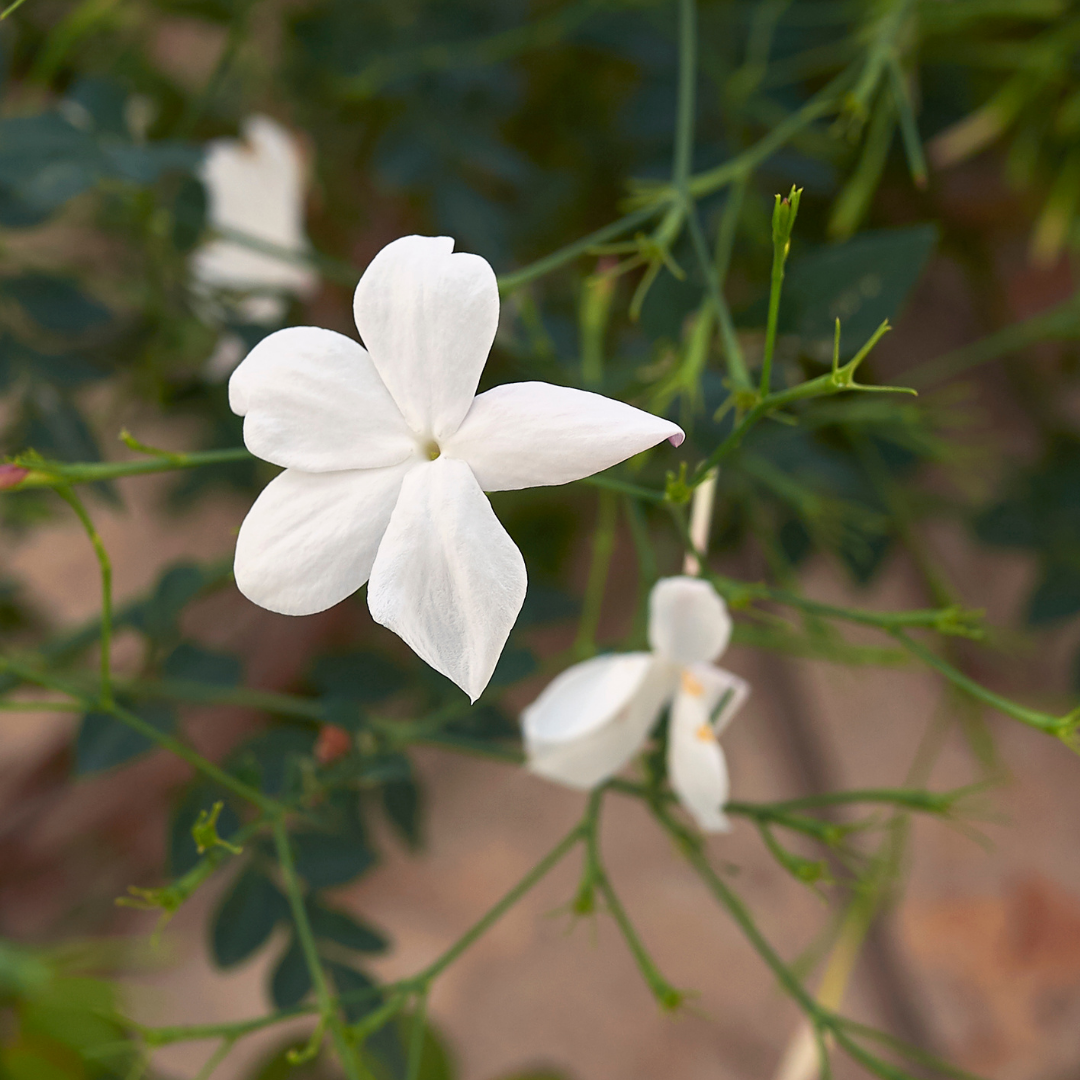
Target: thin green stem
(663,991)
(509,282)
(216,1058)
(603,547)
(498,910)
(691,850)
(733,356)
(684,116)
(835,382)
(57,474)
(328,1011)
(105,565)
(1064,727)
(417,1033)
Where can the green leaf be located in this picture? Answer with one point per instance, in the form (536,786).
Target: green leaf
(348,980)
(176,588)
(291,981)
(357,676)
(324,860)
(189,214)
(514,664)
(402,803)
(192,663)
(104,741)
(56,304)
(340,927)
(860,282)
(246,918)
(1056,596)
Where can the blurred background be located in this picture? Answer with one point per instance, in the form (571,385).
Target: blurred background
(179,178)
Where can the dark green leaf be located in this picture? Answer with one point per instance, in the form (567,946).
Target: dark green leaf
(104,741)
(1056,596)
(325,860)
(514,664)
(271,761)
(291,981)
(402,803)
(189,214)
(56,304)
(246,918)
(861,282)
(341,927)
(349,981)
(192,663)
(177,587)
(359,676)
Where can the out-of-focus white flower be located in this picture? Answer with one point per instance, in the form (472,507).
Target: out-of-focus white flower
(255,187)
(387,455)
(591,720)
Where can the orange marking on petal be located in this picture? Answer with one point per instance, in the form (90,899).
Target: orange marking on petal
(705,733)
(691,686)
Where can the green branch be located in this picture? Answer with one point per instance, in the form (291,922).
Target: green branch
(328,1010)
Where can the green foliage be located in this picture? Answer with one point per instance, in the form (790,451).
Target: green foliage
(522,131)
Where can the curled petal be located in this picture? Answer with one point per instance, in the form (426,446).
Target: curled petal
(428,318)
(312,400)
(688,621)
(532,434)
(592,719)
(310,539)
(708,698)
(448,579)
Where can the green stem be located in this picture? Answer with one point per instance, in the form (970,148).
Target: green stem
(509,282)
(498,910)
(76,504)
(1064,727)
(328,1011)
(828,99)
(417,1032)
(668,997)
(684,116)
(603,548)
(733,356)
(691,850)
(835,382)
(57,474)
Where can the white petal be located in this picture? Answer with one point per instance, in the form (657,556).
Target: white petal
(592,719)
(428,318)
(688,621)
(312,400)
(448,579)
(310,539)
(255,186)
(532,434)
(697,768)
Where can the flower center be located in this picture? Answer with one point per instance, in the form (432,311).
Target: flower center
(432,450)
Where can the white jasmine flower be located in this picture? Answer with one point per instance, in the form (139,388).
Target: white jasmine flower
(387,455)
(591,720)
(255,186)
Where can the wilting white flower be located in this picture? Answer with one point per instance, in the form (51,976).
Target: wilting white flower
(591,720)
(255,187)
(387,456)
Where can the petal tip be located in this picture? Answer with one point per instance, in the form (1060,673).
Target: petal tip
(678,438)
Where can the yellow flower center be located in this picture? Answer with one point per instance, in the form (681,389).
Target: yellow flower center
(432,450)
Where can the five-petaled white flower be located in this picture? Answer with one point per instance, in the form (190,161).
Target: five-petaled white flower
(387,456)
(255,187)
(591,720)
